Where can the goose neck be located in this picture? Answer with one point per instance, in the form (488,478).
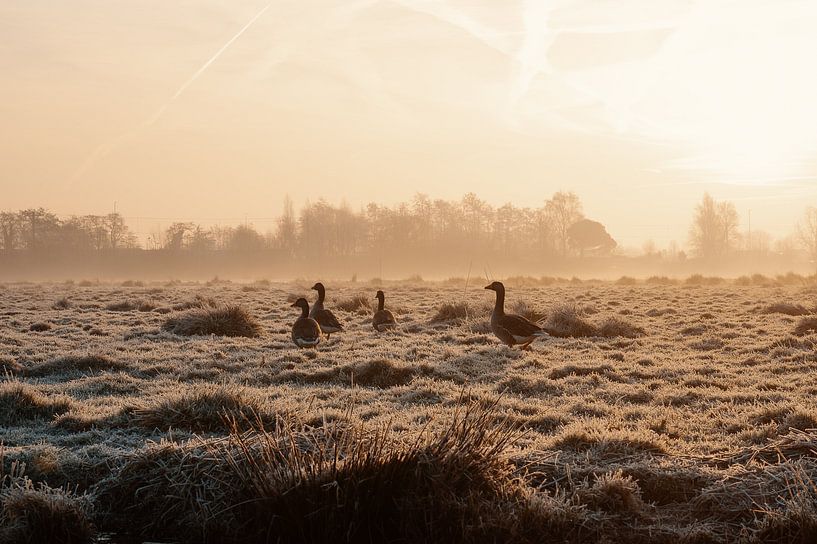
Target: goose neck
(499,306)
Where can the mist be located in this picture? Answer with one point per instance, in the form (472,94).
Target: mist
(424,238)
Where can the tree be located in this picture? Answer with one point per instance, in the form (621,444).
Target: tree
(586,235)
(245,239)
(563,210)
(201,240)
(74,235)
(39,228)
(9,230)
(714,228)
(118,232)
(728,217)
(287,235)
(477,215)
(96,226)
(807,232)
(176,236)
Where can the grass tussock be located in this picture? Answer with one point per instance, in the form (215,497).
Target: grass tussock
(381,373)
(40,327)
(339,485)
(204,408)
(806,325)
(660,280)
(608,443)
(786,308)
(61,304)
(566,321)
(216,320)
(458,312)
(448,312)
(75,363)
(527,311)
(700,279)
(358,304)
(22,402)
(615,326)
(614,493)
(131,305)
(32,513)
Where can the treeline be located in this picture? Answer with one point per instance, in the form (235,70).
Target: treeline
(557,228)
(40,230)
(421,227)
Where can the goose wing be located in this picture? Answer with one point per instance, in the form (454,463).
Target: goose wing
(306,329)
(327,320)
(503,335)
(383,318)
(517,325)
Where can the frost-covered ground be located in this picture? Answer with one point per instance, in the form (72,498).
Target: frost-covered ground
(696,429)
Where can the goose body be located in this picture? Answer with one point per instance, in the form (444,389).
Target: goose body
(325,318)
(383,319)
(306,332)
(512,329)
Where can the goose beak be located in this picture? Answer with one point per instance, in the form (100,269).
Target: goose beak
(487,287)
(293,305)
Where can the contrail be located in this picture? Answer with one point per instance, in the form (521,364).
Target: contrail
(104,149)
(206,65)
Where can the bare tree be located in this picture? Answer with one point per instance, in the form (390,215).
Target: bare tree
(563,209)
(9,230)
(118,232)
(807,232)
(201,240)
(286,236)
(714,229)
(728,218)
(40,227)
(177,236)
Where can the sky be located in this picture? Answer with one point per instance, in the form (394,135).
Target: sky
(214,110)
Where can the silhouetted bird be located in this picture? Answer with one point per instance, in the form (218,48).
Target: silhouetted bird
(306,333)
(383,319)
(512,329)
(326,319)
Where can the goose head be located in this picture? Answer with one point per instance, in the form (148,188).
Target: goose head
(302,304)
(496,286)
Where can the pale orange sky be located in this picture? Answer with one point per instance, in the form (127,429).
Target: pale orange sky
(172,111)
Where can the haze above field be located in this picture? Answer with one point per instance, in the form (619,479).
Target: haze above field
(213,111)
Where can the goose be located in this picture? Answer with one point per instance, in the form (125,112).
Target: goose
(306,333)
(326,319)
(383,319)
(512,329)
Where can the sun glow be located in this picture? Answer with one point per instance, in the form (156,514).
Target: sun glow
(731,88)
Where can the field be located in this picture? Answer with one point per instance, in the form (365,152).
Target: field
(663,411)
